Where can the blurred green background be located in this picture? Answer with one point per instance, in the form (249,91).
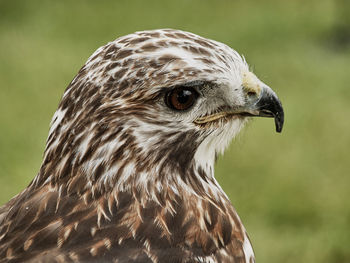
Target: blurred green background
(291,189)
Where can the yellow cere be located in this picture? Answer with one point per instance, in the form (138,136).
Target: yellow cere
(251,83)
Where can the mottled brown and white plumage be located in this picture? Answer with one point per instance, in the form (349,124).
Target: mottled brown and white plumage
(126,177)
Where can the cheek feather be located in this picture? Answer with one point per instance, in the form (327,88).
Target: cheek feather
(220,134)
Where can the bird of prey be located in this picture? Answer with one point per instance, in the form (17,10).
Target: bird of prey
(128,168)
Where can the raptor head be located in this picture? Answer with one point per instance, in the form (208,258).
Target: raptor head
(156,101)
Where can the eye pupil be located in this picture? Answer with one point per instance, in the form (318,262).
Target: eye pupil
(181,98)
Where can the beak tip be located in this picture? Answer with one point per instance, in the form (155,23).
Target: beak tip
(278,129)
(279,121)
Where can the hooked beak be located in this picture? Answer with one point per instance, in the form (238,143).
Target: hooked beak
(268,105)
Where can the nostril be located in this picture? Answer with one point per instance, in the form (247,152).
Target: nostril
(251,94)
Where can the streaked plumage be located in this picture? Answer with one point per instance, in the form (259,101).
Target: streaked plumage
(126,177)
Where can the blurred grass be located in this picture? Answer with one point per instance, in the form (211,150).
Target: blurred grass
(291,190)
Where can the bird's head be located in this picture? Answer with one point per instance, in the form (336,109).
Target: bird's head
(151,104)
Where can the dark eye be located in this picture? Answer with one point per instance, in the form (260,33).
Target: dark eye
(181,98)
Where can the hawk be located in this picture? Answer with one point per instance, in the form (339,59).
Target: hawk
(128,168)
